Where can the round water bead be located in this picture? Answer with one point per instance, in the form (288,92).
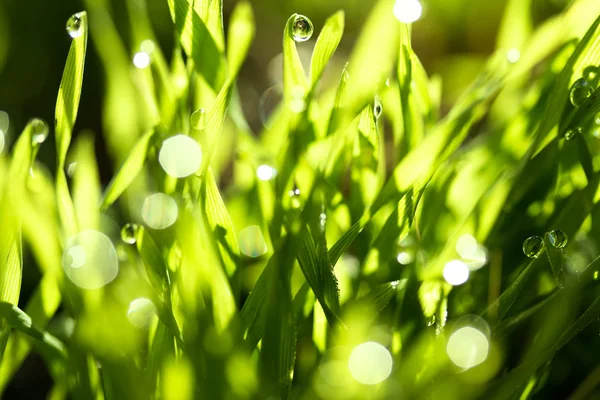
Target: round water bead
(302,28)
(558,238)
(39,131)
(533,246)
(129,233)
(198,119)
(579,92)
(377,107)
(571,133)
(90,260)
(75,25)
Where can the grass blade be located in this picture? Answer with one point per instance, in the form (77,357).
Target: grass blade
(132,166)
(327,43)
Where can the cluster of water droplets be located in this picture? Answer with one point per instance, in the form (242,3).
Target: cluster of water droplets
(534,245)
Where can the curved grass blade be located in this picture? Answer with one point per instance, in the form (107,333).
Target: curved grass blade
(240,36)
(198,43)
(128,171)
(327,43)
(67,102)
(220,224)
(17,319)
(318,272)
(293,72)
(86,185)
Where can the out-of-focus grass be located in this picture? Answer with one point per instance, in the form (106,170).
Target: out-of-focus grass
(367,243)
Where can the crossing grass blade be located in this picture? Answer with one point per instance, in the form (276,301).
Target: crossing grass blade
(128,171)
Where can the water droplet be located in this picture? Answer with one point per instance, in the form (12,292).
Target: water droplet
(533,246)
(159,211)
(377,107)
(407,11)
(180,156)
(571,133)
(198,119)
(90,260)
(39,131)
(75,25)
(558,238)
(302,29)
(580,91)
(596,275)
(129,233)
(141,60)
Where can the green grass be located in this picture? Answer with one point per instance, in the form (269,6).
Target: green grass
(356,228)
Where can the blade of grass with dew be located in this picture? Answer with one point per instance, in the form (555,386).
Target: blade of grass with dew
(220,224)
(11,251)
(198,43)
(86,185)
(67,107)
(421,163)
(240,36)
(365,159)
(373,57)
(516,25)
(327,43)
(214,124)
(293,73)
(132,166)
(555,257)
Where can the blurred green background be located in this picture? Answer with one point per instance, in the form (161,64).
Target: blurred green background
(453,38)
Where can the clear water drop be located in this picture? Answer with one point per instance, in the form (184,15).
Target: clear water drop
(558,238)
(75,25)
(39,131)
(571,133)
(533,246)
(302,28)
(141,312)
(580,91)
(129,233)
(377,107)
(198,119)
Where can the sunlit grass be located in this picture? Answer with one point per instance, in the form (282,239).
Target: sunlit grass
(365,244)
